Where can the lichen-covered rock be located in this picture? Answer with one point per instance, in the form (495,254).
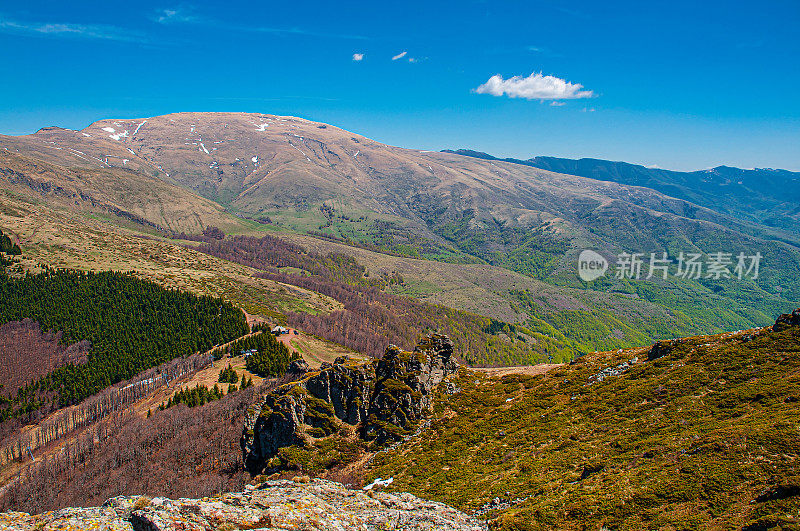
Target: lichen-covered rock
(384,398)
(95,518)
(275,505)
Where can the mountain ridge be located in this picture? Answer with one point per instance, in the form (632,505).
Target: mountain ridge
(754,185)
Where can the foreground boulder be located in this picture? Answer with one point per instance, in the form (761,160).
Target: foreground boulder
(384,399)
(275,505)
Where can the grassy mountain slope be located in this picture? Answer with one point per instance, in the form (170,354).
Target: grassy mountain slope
(703,437)
(614,314)
(313,176)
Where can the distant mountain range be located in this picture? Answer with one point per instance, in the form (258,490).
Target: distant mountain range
(507,232)
(762,195)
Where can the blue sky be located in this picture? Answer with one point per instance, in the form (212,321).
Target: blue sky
(679,85)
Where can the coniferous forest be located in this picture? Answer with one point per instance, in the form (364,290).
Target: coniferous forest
(131,325)
(271,357)
(194,396)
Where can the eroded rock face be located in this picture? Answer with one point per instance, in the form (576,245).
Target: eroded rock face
(385,399)
(274,505)
(787,320)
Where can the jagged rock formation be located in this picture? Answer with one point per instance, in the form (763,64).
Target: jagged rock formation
(385,399)
(787,320)
(274,505)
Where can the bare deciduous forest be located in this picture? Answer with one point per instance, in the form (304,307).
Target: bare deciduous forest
(15,443)
(30,353)
(177,452)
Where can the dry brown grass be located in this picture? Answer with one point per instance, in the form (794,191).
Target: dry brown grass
(316,351)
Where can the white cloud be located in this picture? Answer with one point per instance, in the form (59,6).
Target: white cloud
(412,59)
(534,87)
(358,56)
(399,56)
(556,103)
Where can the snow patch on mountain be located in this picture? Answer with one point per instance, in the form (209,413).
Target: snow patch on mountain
(138,126)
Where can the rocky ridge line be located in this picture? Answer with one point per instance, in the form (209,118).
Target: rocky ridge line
(275,505)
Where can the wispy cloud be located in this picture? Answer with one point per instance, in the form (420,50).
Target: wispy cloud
(175,15)
(557,103)
(68,30)
(358,57)
(534,87)
(399,56)
(187,15)
(542,50)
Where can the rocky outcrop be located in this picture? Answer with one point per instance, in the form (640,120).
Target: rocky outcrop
(662,348)
(787,320)
(275,505)
(384,399)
